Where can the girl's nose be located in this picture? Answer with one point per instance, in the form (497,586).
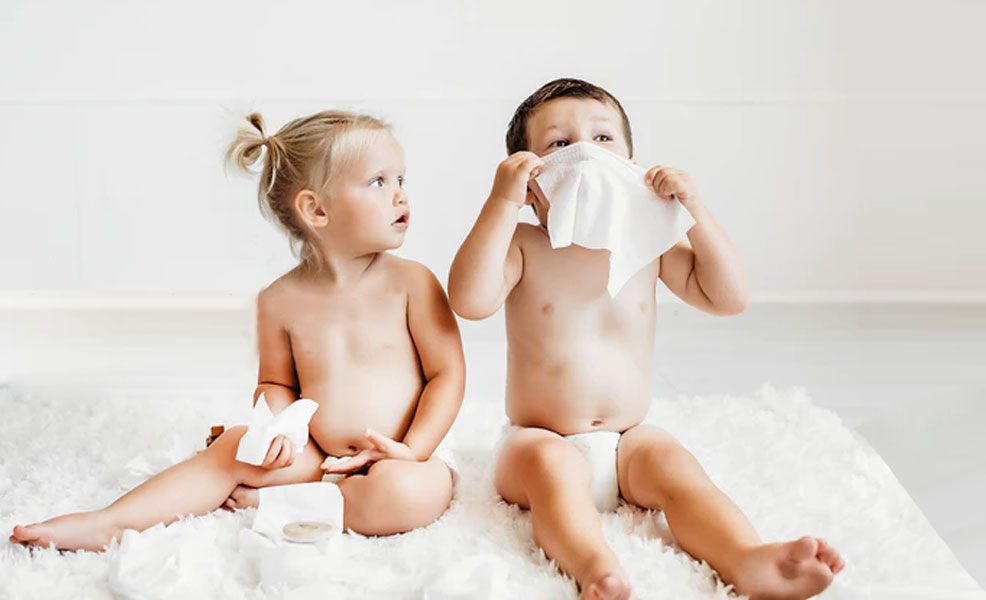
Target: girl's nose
(400,198)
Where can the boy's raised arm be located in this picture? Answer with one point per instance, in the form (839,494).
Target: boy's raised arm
(703,269)
(489,263)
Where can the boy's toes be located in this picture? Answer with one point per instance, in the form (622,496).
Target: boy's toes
(803,549)
(828,555)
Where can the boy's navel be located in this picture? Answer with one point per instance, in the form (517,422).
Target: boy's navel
(547,309)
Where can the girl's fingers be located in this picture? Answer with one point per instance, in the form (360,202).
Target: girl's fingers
(291,453)
(380,441)
(272,452)
(284,457)
(350,464)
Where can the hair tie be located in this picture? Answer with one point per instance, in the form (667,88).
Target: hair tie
(273,164)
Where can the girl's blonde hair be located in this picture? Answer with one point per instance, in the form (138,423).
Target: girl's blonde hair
(304,154)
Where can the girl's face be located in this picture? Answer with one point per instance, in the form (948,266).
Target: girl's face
(367,207)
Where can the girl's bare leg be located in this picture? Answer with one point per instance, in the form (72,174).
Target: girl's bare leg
(539,470)
(655,471)
(196,486)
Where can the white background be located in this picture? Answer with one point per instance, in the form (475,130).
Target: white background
(840,143)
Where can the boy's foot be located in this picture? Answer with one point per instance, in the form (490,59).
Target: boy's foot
(77,531)
(606,582)
(242,497)
(789,571)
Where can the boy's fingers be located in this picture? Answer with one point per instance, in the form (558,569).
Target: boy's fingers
(651,174)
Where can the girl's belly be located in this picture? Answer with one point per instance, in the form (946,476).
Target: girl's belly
(384,401)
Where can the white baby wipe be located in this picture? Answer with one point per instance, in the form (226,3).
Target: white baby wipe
(264,426)
(597,199)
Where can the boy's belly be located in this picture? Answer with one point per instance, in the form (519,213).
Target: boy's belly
(583,387)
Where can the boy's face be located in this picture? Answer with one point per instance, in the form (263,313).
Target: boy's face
(564,121)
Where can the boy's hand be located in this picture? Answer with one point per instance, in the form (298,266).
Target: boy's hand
(671,183)
(383,447)
(512,176)
(280,454)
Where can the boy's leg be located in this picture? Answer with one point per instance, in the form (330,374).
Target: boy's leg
(196,486)
(539,470)
(655,471)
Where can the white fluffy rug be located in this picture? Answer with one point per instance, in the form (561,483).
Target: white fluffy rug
(790,465)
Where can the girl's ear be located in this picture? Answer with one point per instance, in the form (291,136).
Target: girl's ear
(633,160)
(310,209)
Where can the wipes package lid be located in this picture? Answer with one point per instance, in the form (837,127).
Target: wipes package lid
(598,199)
(264,426)
(282,505)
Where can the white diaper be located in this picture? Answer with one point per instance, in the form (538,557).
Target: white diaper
(599,449)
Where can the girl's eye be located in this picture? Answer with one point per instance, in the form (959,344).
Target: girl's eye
(605,137)
(378,182)
(400,182)
(558,143)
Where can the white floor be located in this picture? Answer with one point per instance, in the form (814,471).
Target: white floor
(909,378)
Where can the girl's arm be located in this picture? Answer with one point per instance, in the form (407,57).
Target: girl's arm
(276,378)
(436,337)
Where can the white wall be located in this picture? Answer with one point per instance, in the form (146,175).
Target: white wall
(841,143)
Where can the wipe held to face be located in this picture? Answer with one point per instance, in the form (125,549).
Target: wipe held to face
(264,426)
(597,199)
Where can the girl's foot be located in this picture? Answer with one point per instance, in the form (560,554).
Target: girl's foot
(242,497)
(77,531)
(789,571)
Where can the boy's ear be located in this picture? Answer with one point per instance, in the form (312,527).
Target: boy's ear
(310,209)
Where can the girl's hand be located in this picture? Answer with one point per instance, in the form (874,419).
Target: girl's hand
(280,454)
(383,447)
(671,183)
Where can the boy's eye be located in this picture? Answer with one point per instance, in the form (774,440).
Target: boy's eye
(377,182)
(558,144)
(400,181)
(605,137)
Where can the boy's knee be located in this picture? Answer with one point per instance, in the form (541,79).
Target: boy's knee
(551,457)
(674,469)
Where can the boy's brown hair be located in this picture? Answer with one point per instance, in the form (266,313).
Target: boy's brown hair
(559,88)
